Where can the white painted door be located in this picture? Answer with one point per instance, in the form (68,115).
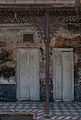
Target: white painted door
(63,80)
(68,81)
(34,74)
(28,74)
(57,75)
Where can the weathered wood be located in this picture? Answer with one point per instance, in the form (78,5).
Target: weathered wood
(28,74)
(57,75)
(34,74)
(23,73)
(68,85)
(63,78)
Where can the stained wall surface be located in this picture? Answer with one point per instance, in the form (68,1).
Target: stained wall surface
(11,38)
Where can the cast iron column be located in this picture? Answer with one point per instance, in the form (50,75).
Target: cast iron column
(47,58)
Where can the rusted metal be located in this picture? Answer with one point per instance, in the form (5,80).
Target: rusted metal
(47,58)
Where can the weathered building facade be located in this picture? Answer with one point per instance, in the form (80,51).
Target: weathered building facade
(23,48)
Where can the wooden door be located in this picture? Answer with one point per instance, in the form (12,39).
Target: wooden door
(68,81)
(28,74)
(34,74)
(57,75)
(63,80)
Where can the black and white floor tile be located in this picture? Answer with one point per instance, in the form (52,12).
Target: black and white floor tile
(58,110)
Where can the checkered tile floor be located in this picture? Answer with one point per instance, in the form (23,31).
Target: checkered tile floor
(58,111)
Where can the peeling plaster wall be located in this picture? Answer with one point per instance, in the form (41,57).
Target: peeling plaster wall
(64,38)
(11,39)
(71,39)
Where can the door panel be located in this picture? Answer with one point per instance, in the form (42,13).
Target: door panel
(67,76)
(57,75)
(24,74)
(34,74)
